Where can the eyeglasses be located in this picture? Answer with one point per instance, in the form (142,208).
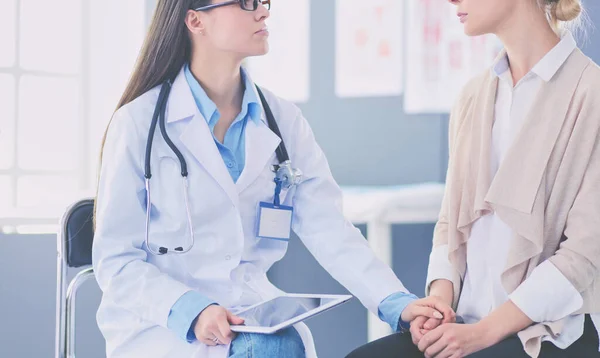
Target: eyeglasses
(247,5)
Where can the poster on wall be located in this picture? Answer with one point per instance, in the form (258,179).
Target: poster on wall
(285,70)
(369,48)
(440,58)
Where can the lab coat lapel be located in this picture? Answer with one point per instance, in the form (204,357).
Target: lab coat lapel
(197,137)
(261,143)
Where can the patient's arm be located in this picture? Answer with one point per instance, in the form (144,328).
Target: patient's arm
(504,321)
(442,289)
(464,339)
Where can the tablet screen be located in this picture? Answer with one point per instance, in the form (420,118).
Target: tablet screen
(281,309)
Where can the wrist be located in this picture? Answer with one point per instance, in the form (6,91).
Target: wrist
(405,307)
(490,333)
(442,289)
(443,297)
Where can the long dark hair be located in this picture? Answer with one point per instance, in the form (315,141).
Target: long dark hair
(166,48)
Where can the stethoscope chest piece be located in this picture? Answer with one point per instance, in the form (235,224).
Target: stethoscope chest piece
(286,175)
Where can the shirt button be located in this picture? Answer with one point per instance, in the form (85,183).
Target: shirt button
(229,164)
(228,257)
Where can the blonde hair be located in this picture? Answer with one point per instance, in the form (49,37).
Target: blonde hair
(562,12)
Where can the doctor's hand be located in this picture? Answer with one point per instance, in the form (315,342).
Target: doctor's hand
(429,307)
(213,323)
(423,324)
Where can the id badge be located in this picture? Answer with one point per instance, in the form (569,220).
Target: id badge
(274,222)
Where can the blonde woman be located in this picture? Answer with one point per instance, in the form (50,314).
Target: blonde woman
(517,245)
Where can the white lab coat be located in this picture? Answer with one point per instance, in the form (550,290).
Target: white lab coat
(228,262)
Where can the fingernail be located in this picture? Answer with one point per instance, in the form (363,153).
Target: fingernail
(436,314)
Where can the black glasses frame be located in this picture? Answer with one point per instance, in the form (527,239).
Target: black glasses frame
(241,3)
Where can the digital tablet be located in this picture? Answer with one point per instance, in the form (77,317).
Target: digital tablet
(281,312)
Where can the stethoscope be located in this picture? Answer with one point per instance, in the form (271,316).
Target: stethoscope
(285,175)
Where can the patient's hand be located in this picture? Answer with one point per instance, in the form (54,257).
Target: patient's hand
(455,340)
(422,325)
(416,328)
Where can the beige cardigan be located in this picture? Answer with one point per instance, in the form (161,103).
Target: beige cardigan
(547,189)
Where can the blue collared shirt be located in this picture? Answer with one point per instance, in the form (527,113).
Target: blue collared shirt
(390,309)
(232,149)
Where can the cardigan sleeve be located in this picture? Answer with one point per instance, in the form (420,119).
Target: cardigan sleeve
(439,257)
(440,234)
(578,257)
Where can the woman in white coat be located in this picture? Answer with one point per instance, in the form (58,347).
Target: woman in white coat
(174,265)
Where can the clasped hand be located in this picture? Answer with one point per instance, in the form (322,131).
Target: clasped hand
(438,335)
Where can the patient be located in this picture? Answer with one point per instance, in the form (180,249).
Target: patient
(517,244)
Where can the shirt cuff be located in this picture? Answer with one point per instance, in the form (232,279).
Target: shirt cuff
(390,309)
(547,295)
(184,313)
(439,266)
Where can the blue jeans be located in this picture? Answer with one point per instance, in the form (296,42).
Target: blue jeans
(285,343)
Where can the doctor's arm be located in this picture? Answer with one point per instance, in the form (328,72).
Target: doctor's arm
(336,244)
(120,264)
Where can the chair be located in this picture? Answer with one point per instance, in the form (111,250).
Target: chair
(74,245)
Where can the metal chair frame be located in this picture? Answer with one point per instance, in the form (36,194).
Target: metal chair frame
(66,295)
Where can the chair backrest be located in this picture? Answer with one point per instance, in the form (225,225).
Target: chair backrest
(74,243)
(78,233)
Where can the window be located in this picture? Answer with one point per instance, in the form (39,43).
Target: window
(63,67)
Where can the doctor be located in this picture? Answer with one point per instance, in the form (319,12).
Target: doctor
(199,189)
